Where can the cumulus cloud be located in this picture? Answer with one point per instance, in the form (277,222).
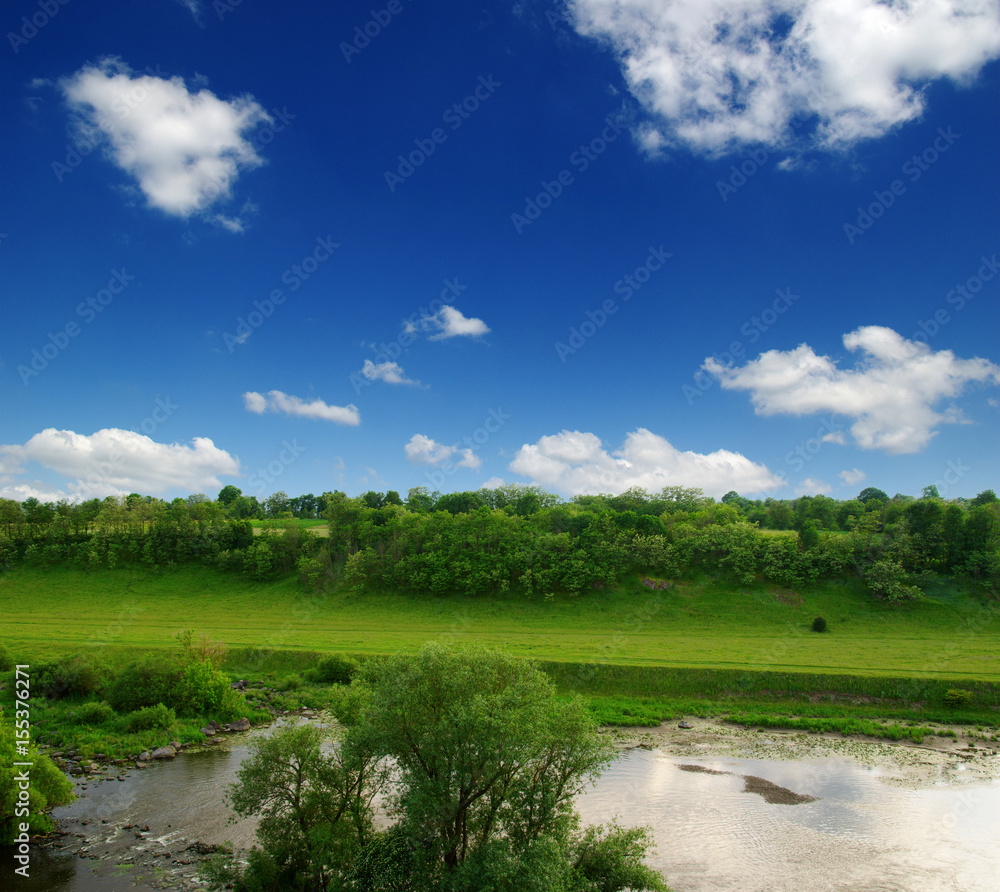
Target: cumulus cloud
(812,487)
(276,401)
(716,74)
(184,150)
(389,372)
(422,450)
(114,461)
(891,394)
(852,477)
(577,463)
(448,323)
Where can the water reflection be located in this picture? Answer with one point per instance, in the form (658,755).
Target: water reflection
(859,834)
(862,833)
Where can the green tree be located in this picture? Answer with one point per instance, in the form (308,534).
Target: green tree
(870,493)
(479,761)
(228,495)
(47,788)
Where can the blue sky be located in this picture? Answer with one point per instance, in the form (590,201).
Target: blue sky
(588,246)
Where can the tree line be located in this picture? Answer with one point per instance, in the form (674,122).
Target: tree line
(521,538)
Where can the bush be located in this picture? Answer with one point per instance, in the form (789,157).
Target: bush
(205,689)
(958,698)
(337,669)
(290,683)
(149,718)
(819,624)
(64,678)
(145,682)
(886,580)
(94,713)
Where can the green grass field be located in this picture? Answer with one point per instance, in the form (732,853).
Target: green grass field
(706,625)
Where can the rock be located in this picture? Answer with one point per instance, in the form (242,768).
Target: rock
(176,744)
(240,725)
(164,752)
(685,726)
(208,731)
(145,756)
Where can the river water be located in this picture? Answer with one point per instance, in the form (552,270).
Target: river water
(721,822)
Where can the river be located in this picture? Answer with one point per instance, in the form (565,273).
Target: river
(729,810)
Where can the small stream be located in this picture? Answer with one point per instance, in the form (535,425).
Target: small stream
(855,828)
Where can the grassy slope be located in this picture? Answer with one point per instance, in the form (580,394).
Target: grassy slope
(704,625)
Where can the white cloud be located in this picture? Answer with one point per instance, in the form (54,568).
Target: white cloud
(891,394)
(448,323)
(812,487)
(276,401)
(389,372)
(422,450)
(834,437)
(715,74)
(195,8)
(852,477)
(185,150)
(113,461)
(577,463)
(493,483)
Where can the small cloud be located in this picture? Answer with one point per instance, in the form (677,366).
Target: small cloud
(184,149)
(812,487)
(493,483)
(422,450)
(197,11)
(389,372)
(276,401)
(834,437)
(448,323)
(852,477)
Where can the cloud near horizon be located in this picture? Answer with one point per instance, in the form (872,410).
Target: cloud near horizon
(891,393)
(276,401)
(422,450)
(113,462)
(716,75)
(577,463)
(185,150)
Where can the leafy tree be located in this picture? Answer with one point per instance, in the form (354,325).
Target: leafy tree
(808,536)
(480,762)
(871,493)
(47,788)
(419,500)
(986,497)
(930,492)
(228,495)
(393,498)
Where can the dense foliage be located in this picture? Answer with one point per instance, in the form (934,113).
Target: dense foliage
(520,538)
(478,761)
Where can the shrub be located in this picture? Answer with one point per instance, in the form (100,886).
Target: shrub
(337,669)
(290,683)
(886,580)
(63,678)
(149,718)
(94,713)
(958,697)
(819,624)
(145,682)
(205,689)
